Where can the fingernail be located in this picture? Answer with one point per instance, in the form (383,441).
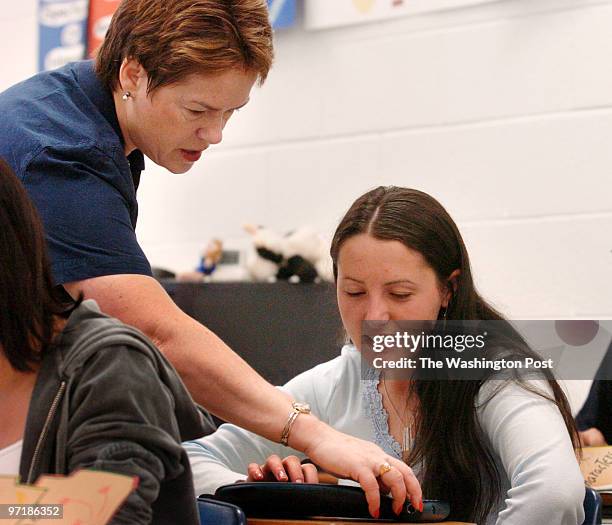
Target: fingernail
(299,481)
(258,475)
(377,513)
(282,475)
(421,506)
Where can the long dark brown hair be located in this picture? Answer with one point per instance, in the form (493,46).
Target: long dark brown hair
(29,302)
(457,465)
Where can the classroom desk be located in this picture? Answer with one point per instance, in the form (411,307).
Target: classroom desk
(252,521)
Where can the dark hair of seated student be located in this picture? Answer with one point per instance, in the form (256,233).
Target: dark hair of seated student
(26,285)
(81,390)
(448,441)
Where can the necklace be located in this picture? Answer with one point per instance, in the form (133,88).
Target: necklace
(406,443)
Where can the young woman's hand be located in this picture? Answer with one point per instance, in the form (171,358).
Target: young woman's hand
(288,469)
(592,437)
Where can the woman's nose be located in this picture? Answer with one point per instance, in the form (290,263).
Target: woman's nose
(211,132)
(377,310)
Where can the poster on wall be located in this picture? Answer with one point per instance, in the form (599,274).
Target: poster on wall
(100,14)
(282,13)
(322,14)
(68,29)
(62,32)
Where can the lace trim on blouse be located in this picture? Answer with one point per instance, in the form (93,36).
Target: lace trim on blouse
(378,416)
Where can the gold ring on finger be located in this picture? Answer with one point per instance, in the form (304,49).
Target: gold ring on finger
(384,468)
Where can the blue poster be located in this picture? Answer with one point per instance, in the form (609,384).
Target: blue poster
(62,32)
(282,13)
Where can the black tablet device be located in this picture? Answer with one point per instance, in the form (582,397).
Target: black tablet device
(305,500)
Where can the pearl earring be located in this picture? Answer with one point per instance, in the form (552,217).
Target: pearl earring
(126,95)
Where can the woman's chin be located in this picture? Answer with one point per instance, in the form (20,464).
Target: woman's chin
(176,167)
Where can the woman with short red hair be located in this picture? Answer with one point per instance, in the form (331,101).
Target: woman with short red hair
(166,80)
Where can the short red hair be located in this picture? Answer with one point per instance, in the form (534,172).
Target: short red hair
(173,39)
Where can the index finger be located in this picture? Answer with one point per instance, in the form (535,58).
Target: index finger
(274,466)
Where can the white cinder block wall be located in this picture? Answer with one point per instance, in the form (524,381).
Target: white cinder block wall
(502,111)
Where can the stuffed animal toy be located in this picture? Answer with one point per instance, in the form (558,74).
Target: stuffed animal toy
(300,256)
(208,263)
(211,257)
(263,261)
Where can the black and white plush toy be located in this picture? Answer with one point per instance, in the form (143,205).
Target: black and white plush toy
(300,256)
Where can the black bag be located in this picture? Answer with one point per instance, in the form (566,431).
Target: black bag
(305,500)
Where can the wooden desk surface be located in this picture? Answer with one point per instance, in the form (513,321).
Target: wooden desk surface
(252,521)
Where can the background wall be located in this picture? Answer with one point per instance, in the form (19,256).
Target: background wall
(501,111)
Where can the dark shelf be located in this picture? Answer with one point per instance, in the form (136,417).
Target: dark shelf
(280,329)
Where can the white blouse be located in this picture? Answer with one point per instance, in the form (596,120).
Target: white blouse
(10,458)
(540,477)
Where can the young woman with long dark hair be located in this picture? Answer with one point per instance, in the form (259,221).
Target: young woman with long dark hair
(499,451)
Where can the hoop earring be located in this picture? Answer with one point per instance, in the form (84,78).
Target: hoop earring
(126,95)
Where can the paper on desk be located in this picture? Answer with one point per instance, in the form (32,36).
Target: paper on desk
(596,467)
(12,492)
(89,497)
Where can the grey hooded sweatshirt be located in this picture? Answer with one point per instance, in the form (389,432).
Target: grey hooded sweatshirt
(107,399)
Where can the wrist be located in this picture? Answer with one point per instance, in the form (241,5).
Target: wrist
(297,409)
(306,432)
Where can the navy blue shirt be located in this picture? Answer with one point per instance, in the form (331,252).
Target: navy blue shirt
(60,133)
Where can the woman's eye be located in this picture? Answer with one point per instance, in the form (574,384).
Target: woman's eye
(401,295)
(354,294)
(196,112)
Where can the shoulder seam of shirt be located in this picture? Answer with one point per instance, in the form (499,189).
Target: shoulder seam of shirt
(25,163)
(91,143)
